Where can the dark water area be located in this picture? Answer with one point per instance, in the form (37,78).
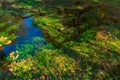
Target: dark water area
(25,34)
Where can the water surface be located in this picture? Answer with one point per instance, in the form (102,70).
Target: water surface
(25,34)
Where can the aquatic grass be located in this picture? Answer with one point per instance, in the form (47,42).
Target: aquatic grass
(28,49)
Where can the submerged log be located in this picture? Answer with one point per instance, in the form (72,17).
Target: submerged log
(27,16)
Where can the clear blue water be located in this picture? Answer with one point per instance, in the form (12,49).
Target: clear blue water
(28,30)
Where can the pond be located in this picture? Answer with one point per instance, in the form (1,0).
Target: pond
(25,34)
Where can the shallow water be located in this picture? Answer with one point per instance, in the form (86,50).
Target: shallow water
(25,33)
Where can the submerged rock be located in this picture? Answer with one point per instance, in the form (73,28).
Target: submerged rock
(1,47)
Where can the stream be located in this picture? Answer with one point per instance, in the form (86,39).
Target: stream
(25,33)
